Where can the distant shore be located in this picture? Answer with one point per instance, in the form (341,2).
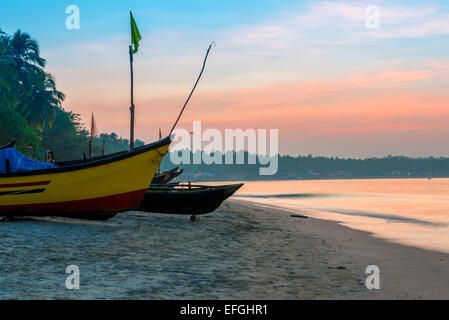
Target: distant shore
(405,272)
(224,179)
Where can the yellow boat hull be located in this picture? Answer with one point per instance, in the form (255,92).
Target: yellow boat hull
(96,189)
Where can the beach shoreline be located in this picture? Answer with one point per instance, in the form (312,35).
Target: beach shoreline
(406,272)
(242,251)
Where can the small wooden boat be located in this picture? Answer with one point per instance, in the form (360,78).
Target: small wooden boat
(166,176)
(184,199)
(95,189)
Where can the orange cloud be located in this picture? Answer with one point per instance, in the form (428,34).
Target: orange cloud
(360,106)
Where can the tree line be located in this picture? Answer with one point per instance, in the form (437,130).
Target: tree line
(31,107)
(310,167)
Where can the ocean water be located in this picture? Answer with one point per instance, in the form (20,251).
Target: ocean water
(408,211)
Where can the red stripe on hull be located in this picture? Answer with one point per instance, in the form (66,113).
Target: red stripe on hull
(97,208)
(27,184)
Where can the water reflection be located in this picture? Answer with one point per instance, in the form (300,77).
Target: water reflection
(410,211)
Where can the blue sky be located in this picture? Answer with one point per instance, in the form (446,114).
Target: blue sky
(101,17)
(308,68)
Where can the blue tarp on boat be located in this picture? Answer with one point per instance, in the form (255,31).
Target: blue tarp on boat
(18,162)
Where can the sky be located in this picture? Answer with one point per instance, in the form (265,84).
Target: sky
(311,69)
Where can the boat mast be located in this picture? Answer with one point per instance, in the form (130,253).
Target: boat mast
(132,108)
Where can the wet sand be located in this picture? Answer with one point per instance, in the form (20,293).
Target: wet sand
(242,251)
(405,272)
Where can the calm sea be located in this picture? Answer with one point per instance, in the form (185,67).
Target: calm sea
(408,211)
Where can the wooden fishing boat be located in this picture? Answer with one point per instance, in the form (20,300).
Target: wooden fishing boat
(95,189)
(166,176)
(184,199)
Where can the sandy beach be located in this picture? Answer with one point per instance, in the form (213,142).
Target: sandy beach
(242,251)
(328,260)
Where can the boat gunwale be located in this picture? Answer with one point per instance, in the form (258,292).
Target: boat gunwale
(192,188)
(90,163)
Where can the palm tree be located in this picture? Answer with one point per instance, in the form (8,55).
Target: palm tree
(28,64)
(7,73)
(37,97)
(25,52)
(40,104)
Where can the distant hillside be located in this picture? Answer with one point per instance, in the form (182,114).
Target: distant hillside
(309,167)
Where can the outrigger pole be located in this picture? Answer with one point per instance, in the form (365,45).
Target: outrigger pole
(196,84)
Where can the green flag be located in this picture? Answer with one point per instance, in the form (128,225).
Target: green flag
(135,35)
